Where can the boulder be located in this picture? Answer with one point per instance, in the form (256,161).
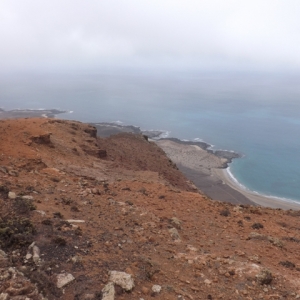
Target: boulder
(124,280)
(42,139)
(176,222)
(174,234)
(64,279)
(108,292)
(156,289)
(264,277)
(12,195)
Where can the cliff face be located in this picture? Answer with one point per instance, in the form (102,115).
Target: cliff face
(74,208)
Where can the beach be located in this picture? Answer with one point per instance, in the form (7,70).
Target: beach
(261,200)
(208,172)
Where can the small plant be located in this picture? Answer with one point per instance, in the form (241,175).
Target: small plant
(129,202)
(58,215)
(59,241)
(291,239)
(66,201)
(287,264)
(74,208)
(23,206)
(78,231)
(17,232)
(225,213)
(47,222)
(257,226)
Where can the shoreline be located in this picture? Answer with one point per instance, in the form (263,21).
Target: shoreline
(29,113)
(260,199)
(207,171)
(207,168)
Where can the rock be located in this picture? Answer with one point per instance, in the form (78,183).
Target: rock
(275,241)
(4,296)
(36,254)
(31,245)
(76,259)
(256,236)
(92,131)
(42,139)
(64,279)
(176,222)
(12,195)
(174,233)
(13,173)
(95,191)
(156,288)
(3,259)
(108,292)
(76,221)
(124,280)
(145,290)
(191,248)
(264,277)
(27,197)
(40,212)
(28,256)
(3,169)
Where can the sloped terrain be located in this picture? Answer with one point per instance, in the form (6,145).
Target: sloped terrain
(75,207)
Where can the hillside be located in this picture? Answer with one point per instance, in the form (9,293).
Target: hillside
(74,208)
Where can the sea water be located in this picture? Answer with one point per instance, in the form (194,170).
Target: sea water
(257,115)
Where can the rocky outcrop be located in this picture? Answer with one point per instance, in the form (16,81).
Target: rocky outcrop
(43,139)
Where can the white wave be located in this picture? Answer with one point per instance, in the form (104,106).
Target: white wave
(118,122)
(165,134)
(198,140)
(235,180)
(241,186)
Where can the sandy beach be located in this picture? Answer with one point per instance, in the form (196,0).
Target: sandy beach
(207,172)
(256,198)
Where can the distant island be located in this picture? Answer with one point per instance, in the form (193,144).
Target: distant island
(29,113)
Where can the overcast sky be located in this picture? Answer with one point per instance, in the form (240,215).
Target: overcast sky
(203,34)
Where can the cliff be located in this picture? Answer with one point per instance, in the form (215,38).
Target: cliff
(84,217)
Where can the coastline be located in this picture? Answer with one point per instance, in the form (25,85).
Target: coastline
(209,172)
(206,168)
(262,200)
(29,113)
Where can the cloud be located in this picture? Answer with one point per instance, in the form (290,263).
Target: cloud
(200,33)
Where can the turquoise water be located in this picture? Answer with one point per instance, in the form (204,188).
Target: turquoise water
(257,115)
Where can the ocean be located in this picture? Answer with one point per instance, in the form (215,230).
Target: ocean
(256,115)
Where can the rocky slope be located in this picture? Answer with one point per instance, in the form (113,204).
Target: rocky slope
(90,218)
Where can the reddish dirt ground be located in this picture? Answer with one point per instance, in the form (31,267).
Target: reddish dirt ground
(141,216)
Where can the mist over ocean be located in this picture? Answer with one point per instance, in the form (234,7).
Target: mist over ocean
(257,115)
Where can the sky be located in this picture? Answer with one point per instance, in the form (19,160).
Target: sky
(184,34)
